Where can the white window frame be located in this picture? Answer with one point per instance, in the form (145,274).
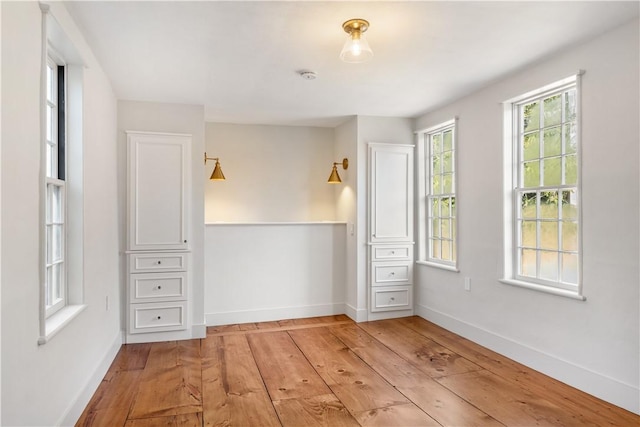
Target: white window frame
(426,216)
(514,162)
(57,48)
(55,269)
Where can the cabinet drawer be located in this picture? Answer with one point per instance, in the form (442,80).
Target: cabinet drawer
(150,262)
(157,317)
(388,299)
(156,287)
(391,273)
(390,253)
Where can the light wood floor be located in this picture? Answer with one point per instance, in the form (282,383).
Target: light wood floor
(331,371)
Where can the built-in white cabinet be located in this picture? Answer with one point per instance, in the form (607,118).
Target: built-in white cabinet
(158,187)
(390,170)
(158,191)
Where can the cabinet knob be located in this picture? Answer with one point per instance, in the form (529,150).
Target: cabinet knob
(392,273)
(159,287)
(158,318)
(393,252)
(392,299)
(159,262)
(185,241)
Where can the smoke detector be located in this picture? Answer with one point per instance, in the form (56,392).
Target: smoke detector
(307,75)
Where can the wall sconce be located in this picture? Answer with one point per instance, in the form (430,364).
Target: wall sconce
(334,178)
(217,174)
(356,48)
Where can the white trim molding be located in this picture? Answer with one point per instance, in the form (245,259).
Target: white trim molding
(271,314)
(603,387)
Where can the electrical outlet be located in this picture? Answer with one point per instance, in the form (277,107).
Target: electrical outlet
(467,284)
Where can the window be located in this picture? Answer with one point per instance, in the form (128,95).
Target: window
(55,217)
(62,194)
(438,146)
(545,250)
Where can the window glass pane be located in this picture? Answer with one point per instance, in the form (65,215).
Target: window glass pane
(56,286)
(448,162)
(447,183)
(552,142)
(445,209)
(49,83)
(549,204)
(436,144)
(569,236)
(570,268)
(56,243)
(528,262)
(549,235)
(49,115)
(570,139)
(454,231)
(531,146)
(446,250)
(436,184)
(435,249)
(528,205)
(570,105)
(571,169)
(531,116)
(448,140)
(569,204)
(529,231)
(453,206)
(49,233)
(531,174)
(553,110)
(435,227)
(49,161)
(56,203)
(552,171)
(48,296)
(549,266)
(435,164)
(444,226)
(435,203)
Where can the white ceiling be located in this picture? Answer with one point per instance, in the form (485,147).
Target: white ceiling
(240,59)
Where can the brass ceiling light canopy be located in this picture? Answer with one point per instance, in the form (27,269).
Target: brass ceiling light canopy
(356,49)
(334,178)
(217,174)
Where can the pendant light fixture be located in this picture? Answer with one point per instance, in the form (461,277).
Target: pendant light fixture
(356,49)
(217,174)
(334,178)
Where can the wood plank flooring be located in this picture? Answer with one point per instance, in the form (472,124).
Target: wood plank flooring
(330,371)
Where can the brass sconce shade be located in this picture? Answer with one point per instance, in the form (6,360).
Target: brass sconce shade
(217,174)
(334,178)
(356,48)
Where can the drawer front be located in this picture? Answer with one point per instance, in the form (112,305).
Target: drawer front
(156,287)
(389,299)
(395,273)
(157,317)
(390,253)
(150,262)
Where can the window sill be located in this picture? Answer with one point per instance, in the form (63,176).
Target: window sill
(440,266)
(546,289)
(58,321)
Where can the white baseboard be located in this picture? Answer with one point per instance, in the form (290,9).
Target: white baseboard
(357,315)
(382,315)
(73,413)
(270,314)
(608,389)
(198,331)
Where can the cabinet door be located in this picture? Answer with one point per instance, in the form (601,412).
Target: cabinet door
(391,193)
(158,185)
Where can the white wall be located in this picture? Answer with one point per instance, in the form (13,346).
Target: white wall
(593,345)
(51,383)
(171,118)
(261,272)
(271,249)
(274,173)
(346,145)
